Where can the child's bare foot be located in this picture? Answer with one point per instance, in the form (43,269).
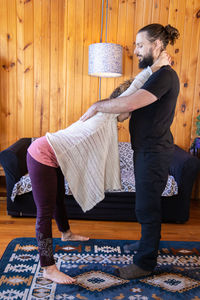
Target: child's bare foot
(69,236)
(52,273)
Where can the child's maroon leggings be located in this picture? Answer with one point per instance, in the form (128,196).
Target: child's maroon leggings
(48,192)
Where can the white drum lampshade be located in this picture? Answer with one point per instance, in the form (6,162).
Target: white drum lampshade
(105,60)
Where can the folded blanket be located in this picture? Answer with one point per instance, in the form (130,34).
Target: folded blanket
(87,153)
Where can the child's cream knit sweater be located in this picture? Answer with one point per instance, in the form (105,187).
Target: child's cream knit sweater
(87,153)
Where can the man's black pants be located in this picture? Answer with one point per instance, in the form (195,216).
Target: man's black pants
(151,174)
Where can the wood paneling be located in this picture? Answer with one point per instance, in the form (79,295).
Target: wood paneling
(44,61)
(44,81)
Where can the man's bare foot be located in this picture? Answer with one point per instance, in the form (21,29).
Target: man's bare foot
(52,273)
(70,236)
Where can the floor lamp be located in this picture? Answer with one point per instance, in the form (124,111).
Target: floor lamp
(105,59)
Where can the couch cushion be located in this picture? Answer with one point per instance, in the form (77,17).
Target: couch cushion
(127,177)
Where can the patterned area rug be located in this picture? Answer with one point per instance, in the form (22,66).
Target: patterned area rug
(93,263)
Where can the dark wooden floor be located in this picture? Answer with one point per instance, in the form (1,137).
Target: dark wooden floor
(11,228)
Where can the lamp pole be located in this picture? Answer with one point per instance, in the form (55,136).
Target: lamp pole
(102,15)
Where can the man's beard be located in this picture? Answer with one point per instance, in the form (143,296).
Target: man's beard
(147,61)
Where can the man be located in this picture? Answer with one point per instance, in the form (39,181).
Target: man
(152,110)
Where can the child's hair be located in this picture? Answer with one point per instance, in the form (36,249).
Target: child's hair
(120,89)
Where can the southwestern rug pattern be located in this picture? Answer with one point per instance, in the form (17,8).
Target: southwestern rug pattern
(93,263)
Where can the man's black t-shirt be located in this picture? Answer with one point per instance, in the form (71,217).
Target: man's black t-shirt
(150,125)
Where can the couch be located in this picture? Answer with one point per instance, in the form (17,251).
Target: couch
(117,206)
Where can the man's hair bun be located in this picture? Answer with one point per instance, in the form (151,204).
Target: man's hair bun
(172,33)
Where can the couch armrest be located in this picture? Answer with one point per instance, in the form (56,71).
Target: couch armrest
(13,160)
(184,167)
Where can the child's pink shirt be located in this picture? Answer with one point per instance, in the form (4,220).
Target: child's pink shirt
(41,151)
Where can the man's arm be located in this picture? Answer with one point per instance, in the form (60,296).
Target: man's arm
(126,104)
(120,105)
(163,59)
(136,84)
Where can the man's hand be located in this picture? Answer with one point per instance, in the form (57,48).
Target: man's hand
(90,112)
(163,60)
(122,117)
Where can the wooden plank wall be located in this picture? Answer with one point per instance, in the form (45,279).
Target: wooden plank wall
(44,81)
